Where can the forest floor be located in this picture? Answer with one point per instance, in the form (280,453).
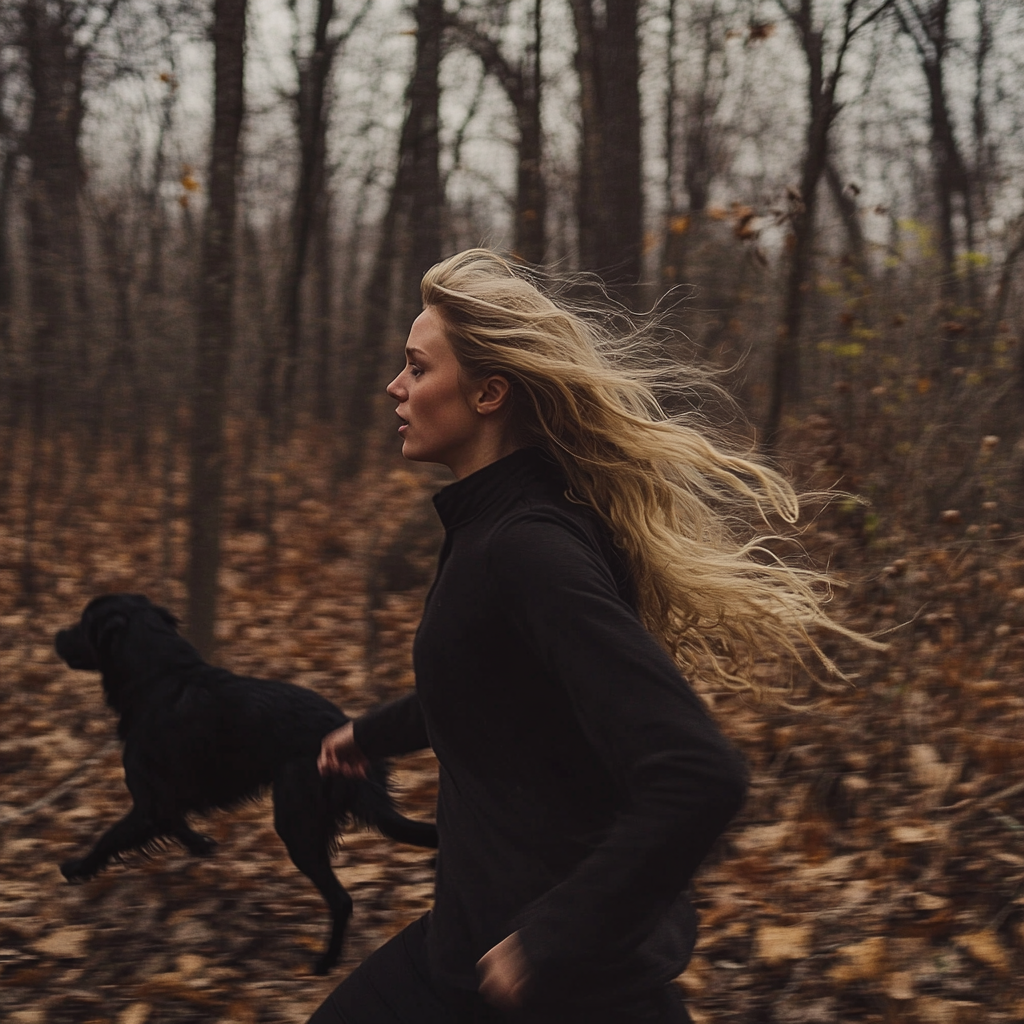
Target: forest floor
(875,874)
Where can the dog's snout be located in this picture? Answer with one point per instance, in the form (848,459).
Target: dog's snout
(73,648)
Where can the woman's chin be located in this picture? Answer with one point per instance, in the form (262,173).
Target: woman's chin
(409,452)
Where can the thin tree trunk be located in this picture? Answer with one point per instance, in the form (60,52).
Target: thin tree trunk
(623,168)
(8,387)
(523,85)
(313,73)
(157,221)
(786,369)
(410,239)
(531,194)
(217,265)
(610,176)
(928,28)
(846,205)
(57,283)
(322,320)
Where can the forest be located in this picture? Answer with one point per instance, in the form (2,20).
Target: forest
(214,218)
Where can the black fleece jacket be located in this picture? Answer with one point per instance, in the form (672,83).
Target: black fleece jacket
(581,780)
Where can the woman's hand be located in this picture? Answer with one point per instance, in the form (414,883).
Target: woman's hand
(503,973)
(339,755)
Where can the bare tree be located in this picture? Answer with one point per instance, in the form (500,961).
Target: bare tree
(823,74)
(410,235)
(927,25)
(610,174)
(694,152)
(521,80)
(311,102)
(215,323)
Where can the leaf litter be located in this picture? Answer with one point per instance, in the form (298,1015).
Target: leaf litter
(875,874)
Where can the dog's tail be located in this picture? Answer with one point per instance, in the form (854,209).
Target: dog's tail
(373,805)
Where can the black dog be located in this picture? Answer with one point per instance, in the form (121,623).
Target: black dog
(198,737)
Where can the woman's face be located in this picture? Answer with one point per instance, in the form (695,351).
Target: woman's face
(439,422)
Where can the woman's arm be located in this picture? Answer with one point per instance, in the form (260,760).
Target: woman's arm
(682,781)
(394,728)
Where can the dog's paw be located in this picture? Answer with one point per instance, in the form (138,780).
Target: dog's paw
(76,870)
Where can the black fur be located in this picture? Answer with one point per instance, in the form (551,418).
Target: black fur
(198,737)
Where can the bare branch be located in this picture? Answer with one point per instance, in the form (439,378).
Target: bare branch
(477,41)
(338,41)
(868,18)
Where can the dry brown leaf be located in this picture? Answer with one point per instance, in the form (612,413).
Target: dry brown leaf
(927,901)
(986,948)
(136,1013)
(67,942)
(861,961)
(900,986)
(911,835)
(776,944)
(933,1010)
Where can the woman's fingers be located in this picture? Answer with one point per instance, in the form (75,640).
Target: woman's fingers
(339,754)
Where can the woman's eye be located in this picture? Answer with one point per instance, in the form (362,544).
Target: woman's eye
(415,371)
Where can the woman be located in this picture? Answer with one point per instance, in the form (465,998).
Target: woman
(589,539)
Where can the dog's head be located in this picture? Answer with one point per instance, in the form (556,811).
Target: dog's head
(95,643)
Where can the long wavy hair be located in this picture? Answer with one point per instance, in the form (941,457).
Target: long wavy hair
(691,511)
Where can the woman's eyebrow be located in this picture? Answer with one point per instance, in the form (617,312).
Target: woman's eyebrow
(410,352)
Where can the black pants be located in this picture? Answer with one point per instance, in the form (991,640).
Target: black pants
(394,986)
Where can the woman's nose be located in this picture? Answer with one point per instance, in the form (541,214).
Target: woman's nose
(394,390)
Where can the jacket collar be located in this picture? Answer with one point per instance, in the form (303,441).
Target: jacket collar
(493,485)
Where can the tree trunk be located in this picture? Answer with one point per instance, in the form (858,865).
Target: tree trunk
(531,194)
(58,292)
(785,380)
(157,221)
(950,174)
(217,267)
(410,238)
(523,85)
(426,208)
(610,177)
(322,319)
(8,387)
(311,117)
(846,205)
(928,28)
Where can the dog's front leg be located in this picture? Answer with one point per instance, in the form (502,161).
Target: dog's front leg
(132,832)
(196,844)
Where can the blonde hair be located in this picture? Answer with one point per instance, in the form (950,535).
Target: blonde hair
(677,503)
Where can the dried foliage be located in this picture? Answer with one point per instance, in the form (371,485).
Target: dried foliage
(876,873)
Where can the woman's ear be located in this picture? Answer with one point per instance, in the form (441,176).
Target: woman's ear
(492,394)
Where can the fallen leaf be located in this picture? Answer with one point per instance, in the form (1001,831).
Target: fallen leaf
(776,944)
(136,1013)
(986,948)
(65,942)
(900,985)
(861,961)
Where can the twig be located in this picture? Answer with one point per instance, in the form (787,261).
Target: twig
(993,798)
(61,788)
(1007,908)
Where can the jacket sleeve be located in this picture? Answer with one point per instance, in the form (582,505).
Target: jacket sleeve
(681,781)
(391,729)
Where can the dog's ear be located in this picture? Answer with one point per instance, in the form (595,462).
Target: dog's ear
(106,630)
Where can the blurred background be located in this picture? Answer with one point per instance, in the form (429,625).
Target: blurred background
(213,222)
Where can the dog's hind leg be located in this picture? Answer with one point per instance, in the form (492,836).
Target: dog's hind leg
(304,822)
(134,831)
